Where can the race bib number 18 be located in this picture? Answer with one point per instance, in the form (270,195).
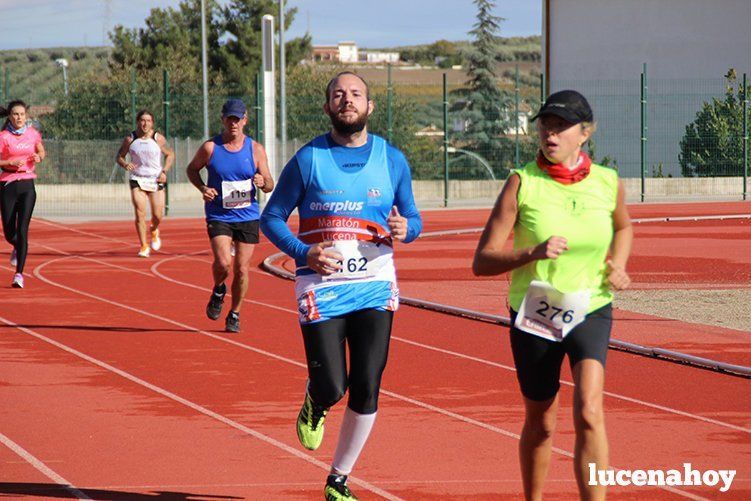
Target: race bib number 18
(549,313)
(237,194)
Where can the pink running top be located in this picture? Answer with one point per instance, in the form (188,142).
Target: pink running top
(21,147)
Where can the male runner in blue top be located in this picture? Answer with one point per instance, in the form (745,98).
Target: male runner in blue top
(237,167)
(353,193)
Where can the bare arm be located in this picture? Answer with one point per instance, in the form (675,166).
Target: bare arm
(623,237)
(169,157)
(262,179)
(120,159)
(490,256)
(200,160)
(40,152)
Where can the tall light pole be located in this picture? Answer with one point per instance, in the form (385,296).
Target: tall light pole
(282,85)
(63,63)
(269,92)
(205,72)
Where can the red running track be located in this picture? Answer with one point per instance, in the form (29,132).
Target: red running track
(115,382)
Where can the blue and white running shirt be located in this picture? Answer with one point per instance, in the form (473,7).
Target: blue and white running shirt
(343,195)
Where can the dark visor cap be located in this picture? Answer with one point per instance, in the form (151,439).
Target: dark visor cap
(568,105)
(234,108)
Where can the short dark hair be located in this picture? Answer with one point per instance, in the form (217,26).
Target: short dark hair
(333,81)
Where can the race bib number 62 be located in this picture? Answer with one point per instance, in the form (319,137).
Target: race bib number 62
(359,259)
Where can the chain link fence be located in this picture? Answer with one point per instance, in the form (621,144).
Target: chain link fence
(669,139)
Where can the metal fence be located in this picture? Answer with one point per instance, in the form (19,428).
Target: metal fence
(656,133)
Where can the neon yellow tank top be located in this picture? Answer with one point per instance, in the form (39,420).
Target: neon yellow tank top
(582,213)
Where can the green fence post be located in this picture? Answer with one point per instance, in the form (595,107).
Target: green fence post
(165,110)
(445,143)
(516,117)
(389,116)
(133,97)
(745,138)
(542,88)
(259,108)
(643,130)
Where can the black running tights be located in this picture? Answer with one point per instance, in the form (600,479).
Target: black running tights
(17,200)
(367,333)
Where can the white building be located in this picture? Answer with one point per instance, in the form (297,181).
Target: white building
(348,52)
(372,57)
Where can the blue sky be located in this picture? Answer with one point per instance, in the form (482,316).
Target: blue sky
(370,23)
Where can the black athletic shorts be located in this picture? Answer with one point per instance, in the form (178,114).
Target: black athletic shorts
(159,186)
(245,231)
(538,360)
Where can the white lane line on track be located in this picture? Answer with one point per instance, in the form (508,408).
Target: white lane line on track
(155,270)
(176,398)
(417,403)
(125,242)
(38,464)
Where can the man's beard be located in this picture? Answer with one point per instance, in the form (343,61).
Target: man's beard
(348,128)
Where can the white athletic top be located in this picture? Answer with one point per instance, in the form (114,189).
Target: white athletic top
(146,155)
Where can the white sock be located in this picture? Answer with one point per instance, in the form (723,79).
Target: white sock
(352,437)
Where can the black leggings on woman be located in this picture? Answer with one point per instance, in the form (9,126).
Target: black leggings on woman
(367,332)
(17,200)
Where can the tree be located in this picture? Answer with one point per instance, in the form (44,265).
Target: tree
(484,100)
(239,59)
(712,144)
(171,40)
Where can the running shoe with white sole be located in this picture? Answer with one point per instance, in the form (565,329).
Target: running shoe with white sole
(17,281)
(156,242)
(144,252)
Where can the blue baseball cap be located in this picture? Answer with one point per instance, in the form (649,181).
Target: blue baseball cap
(234,108)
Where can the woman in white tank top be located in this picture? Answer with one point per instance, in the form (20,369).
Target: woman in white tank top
(147,176)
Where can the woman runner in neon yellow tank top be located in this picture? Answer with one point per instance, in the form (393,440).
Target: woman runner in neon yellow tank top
(572,239)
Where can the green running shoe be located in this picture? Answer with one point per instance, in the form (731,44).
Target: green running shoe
(310,423)
(336,489)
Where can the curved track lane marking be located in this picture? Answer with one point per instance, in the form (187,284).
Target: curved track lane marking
(417,403)
(176,398)
(155,271)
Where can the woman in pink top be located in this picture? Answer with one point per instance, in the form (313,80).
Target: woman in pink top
(21,149)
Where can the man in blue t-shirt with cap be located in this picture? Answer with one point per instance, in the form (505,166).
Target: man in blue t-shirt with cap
(237,166)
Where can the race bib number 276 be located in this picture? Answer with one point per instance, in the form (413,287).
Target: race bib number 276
(549,313)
